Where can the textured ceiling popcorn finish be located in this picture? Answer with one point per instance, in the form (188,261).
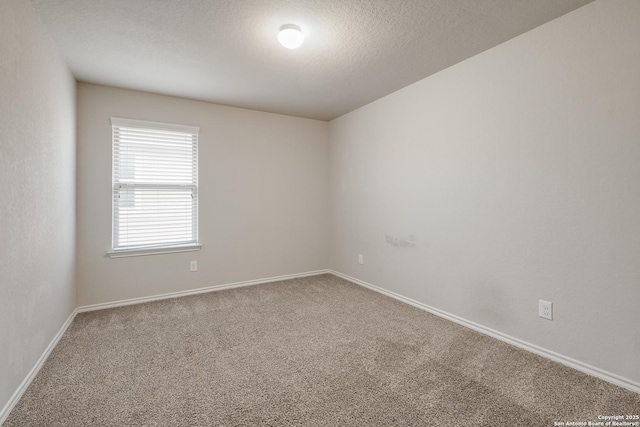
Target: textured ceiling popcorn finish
(226,52)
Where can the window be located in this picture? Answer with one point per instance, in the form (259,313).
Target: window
(155,187)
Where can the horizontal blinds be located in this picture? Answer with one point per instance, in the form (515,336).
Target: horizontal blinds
(155,184)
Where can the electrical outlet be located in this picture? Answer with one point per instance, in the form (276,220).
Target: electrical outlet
(360,259)
(193,266)
(545,309)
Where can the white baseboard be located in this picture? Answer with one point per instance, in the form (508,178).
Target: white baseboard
(178,294)
(572,363)
(4,414)
(575,364)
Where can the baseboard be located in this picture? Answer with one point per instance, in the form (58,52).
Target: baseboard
(179,294)
(572,363)
(4,414)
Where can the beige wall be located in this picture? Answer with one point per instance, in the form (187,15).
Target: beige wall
(263,196)
(37,193)
(511,177)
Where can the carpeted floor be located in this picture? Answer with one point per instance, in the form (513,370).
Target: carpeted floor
(317,351)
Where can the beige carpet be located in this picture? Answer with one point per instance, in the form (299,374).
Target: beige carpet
(317,351)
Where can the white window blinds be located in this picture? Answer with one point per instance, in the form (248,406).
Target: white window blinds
(155,185)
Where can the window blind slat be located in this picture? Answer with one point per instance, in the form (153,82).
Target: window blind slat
(155,184)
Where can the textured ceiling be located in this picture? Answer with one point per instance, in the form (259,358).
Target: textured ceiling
(226,51)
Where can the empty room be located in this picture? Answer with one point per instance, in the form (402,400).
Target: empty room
(320,213)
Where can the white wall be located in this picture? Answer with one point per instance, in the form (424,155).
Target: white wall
(37,193)
(510,177)
(263,191)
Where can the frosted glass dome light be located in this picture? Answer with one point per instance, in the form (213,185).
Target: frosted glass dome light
(290,36)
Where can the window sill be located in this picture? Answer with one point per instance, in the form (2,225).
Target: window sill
(156,251)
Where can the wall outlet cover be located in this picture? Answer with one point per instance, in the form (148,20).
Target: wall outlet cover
(545,309)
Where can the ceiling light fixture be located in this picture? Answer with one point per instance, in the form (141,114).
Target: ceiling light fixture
(290,36)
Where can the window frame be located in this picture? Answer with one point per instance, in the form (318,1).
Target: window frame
(161,248)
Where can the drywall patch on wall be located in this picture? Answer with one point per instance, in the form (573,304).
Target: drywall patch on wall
(400,242)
